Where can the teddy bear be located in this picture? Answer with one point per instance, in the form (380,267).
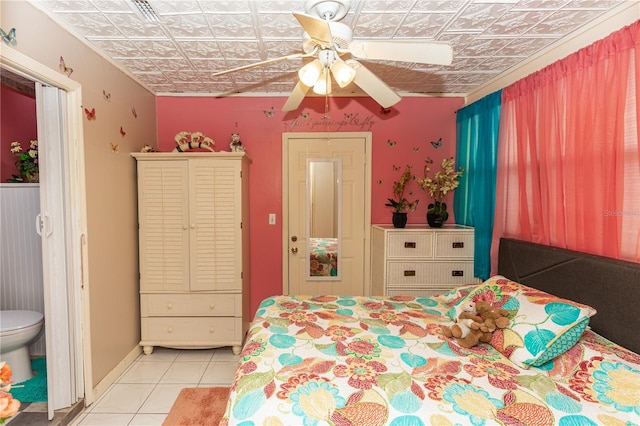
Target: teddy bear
(493,318)
(469,328)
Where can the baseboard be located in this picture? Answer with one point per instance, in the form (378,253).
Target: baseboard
(113,375)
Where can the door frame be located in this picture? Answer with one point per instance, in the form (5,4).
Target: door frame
(75,204)
(286,136)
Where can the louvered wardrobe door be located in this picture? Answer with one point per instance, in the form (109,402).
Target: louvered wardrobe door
(163,221)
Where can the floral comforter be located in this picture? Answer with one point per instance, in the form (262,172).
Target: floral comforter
(324,257)
(332,360)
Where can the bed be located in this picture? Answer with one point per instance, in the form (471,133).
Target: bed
(323,258)
(343,360)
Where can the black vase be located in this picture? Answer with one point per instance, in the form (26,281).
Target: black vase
(435,220)
(399,219)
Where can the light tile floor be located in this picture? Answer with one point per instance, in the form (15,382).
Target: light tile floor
(145,392)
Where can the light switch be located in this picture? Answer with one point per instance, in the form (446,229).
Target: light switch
(272,218)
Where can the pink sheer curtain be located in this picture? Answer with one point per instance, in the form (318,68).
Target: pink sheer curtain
(569,152)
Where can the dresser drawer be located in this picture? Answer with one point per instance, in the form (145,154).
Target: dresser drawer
(417,273)
(454,245)
(190,304)
(191,329)
(410,244)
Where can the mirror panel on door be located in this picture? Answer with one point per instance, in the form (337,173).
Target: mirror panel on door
(323,217)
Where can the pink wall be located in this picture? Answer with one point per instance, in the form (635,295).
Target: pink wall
(401,136)
(18,123)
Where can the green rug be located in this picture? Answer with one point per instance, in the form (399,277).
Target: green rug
(34,389)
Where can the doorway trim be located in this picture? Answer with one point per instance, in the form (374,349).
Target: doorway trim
(75,204)
(367,196)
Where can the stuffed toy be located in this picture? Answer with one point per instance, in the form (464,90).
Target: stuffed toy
(468,327)
(493,318)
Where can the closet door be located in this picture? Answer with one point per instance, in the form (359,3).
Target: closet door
(216,253)
(164,225)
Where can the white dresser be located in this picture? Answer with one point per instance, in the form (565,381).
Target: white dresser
(421,261)
(193,217)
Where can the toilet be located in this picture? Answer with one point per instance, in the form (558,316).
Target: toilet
(18,329)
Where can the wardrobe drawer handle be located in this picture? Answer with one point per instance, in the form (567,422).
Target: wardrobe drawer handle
(409,273)
(212,330)
(457,273)
(169,305)
(212,306)
(409,244)
(169,329)
(457,244)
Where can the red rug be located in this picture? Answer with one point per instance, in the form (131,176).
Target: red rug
(198,407)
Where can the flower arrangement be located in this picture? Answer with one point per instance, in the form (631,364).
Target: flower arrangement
(27,163)
(439,185)
(8,405)
(399,203)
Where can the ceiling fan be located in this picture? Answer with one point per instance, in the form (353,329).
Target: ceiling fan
(331,44)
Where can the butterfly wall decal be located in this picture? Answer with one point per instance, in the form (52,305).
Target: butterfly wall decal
(269,112)
(305,115)
(428,160)
(380,181)
(348,116)
(106,96)
(64,69)
(396,168)
(385,111)
(133,111)
(416,148)
(91,115)
(391,143)
(122,132)
(437,144)
(10,37)
(114,147)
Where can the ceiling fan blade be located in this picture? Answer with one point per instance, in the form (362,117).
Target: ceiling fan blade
(405,51)
(373,86)
(296,97)
(268,61)
(318,30)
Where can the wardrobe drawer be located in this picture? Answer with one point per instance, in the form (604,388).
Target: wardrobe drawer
(410,244)
(454,245)
(190,304)
(191,329)
(417,273)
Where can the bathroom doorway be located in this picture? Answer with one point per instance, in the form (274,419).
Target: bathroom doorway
(63,225)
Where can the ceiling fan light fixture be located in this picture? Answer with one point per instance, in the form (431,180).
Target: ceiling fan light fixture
(343,73)
(323,85)
(310,73)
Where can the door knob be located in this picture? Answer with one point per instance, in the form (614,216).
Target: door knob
(294,238)
(294,250)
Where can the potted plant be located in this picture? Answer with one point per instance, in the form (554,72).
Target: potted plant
(27,163)
(399,203)
(438,186)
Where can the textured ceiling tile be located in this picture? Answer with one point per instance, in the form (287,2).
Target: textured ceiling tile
(477,17)
(135,65)
(515,23)
(132,26)
(373,25)
(483,47)
(117,48)
(187,26)
(524,46)
(164,7)
(423,25)
(157,49)
(279,26)
(92,24)
(563,22)
(198,49)
(232,26)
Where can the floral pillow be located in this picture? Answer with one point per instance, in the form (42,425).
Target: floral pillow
(542,326)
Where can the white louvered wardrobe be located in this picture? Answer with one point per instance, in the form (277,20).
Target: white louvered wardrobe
(193,217)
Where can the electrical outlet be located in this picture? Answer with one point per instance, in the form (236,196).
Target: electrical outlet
(272,218)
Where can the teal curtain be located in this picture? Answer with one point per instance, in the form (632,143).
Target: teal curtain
(474,200)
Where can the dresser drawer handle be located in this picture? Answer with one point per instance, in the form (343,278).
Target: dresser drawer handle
(409,273)
(169,329)
(212,330)
(457,273)
(212,306)
(457,244)
(169,306)
(409,244)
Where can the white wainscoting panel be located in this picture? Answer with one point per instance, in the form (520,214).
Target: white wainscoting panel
(21,280)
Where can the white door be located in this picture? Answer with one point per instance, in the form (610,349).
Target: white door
(54,229)
(326,213)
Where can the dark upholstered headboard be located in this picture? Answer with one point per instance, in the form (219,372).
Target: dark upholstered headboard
(611,286)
